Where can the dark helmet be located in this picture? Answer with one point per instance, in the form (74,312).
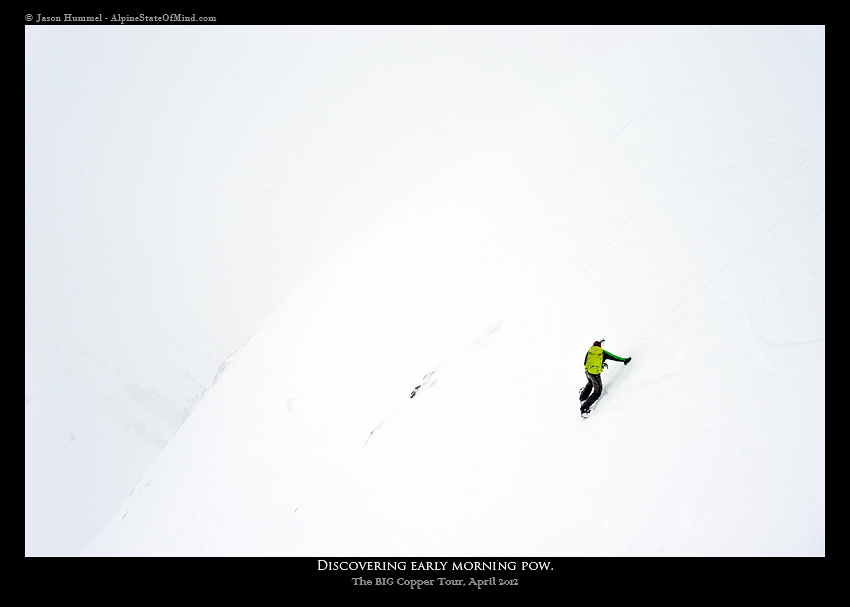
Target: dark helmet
(599,343)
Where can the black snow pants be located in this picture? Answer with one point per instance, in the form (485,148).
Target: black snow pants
(594,382)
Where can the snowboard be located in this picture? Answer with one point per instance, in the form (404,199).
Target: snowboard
(584,414)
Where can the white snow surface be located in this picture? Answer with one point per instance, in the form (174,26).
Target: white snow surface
(670,199)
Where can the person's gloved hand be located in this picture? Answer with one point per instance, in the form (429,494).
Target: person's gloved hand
(627,361)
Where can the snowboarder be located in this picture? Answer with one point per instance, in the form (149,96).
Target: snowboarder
(594,362)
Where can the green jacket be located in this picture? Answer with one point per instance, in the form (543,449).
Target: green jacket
(606,355)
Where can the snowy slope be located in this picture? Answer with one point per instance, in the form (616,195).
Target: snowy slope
(136,294)
(671,200)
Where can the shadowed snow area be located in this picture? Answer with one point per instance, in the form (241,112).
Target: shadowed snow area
(418,395)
